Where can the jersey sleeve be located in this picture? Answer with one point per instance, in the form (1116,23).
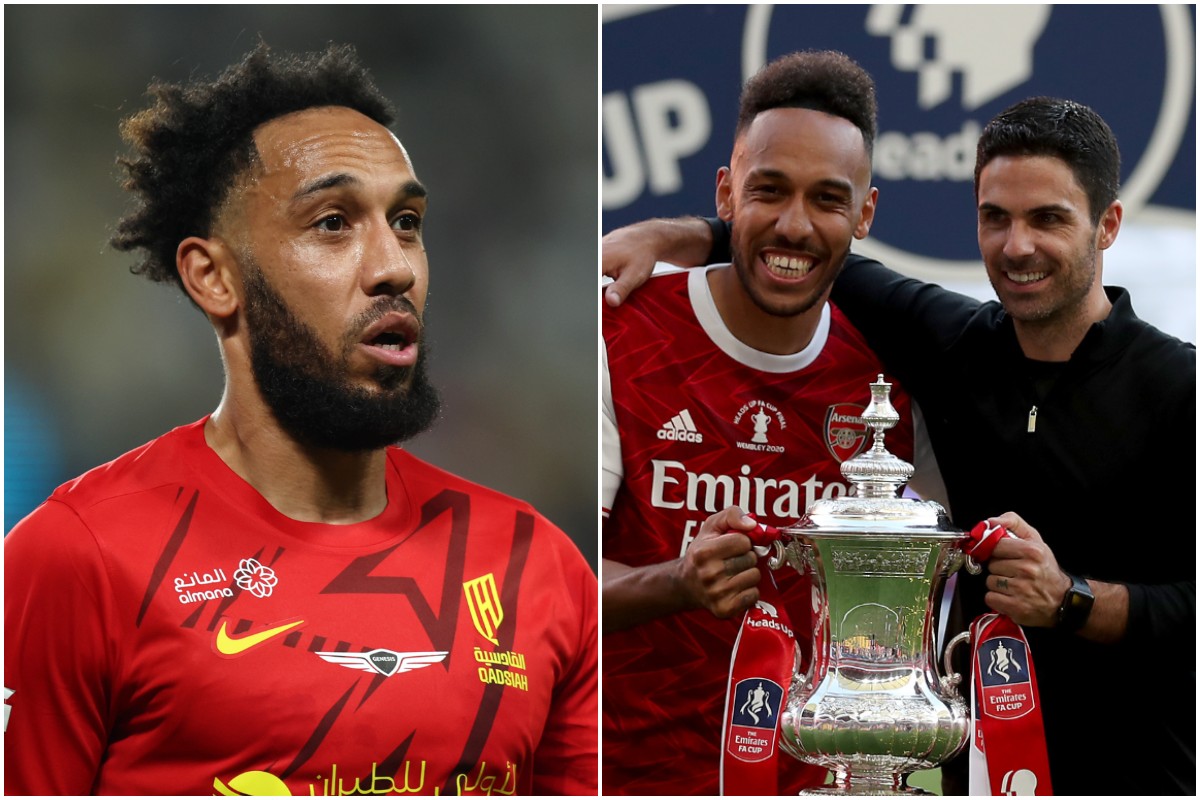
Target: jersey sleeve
(610,439)
(59,622)
(566,761)
(1158,612)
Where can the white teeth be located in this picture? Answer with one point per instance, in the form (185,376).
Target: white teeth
(1025,277)
(789,267)
(392,342)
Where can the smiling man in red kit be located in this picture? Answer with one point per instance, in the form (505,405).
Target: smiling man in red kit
(727,387)
(273,599)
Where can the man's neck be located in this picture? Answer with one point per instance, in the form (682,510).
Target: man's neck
(1056,339)
(753,327)
(302,483)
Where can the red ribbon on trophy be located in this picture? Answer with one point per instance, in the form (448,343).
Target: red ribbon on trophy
(1008,742)
(760,673)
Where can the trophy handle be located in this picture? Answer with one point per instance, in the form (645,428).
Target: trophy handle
(952,679)
(774,553)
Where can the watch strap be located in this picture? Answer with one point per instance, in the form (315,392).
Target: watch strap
(1076,604)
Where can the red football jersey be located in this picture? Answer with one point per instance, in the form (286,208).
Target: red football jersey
(167,631)
(696,421)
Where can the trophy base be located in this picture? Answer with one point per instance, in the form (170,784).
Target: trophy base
(866,791)
(873,783)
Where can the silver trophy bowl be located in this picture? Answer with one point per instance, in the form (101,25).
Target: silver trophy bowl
(869,702)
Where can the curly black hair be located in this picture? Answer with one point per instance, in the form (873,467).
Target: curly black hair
(1063,129)
(820,80)
(195,140)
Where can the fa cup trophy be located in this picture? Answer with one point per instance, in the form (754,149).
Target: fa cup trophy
(871,705)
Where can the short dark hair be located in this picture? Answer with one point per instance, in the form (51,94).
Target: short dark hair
(1063,129)
(821,80)
(195,140)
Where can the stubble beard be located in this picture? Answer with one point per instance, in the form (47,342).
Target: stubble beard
(1068,303)
(306,387)
(818,295)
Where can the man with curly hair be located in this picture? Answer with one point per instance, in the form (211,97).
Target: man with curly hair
(272,600)
(716,376)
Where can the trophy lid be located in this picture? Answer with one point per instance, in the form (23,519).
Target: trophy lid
(876,472)
(877,476)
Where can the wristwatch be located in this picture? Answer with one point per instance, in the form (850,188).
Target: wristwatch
(1076,604)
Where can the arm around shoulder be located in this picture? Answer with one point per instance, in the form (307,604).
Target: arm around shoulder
(900,316)
(628,254)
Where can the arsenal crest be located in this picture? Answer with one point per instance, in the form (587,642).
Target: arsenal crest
(845,431)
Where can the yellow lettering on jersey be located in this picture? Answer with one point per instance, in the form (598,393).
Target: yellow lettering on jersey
(484,782)
(503,677)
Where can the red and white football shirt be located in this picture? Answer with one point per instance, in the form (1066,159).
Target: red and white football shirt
(168,632)
(695,421)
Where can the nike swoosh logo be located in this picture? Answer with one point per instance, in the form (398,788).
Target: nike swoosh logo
(229,646)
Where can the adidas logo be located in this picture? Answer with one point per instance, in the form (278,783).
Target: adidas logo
(680,429)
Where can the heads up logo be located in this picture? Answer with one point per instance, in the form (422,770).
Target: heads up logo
(943,71)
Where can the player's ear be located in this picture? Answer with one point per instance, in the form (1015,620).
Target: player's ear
(209,274)
(1110,225)
(725,194)
(867,214)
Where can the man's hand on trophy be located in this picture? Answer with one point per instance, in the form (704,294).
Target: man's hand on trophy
(628,254)
(1024,580)
(718,571)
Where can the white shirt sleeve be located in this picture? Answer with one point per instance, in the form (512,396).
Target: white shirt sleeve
(610,446)
(927,477)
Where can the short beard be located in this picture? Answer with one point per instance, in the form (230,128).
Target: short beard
(1073,301)
(743,271)
(306,387)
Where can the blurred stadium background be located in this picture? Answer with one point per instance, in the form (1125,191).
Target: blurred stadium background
(496,105)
